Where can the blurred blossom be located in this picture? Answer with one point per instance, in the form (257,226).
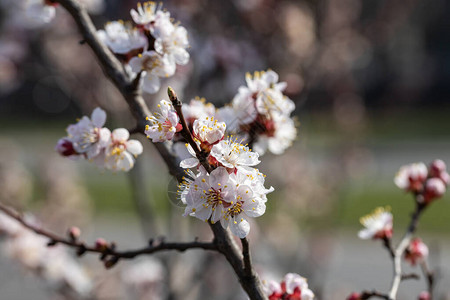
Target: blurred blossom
(144,279)
(378,225)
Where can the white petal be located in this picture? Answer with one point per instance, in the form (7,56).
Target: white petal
(98,117)
(189,163)
(241,228)
(120,134)
(126,163)
(150,83)
(134,147)
(365,234)
(136,64)
(218,176)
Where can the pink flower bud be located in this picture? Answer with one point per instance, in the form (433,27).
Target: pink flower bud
(424,296)
(412,177)
(65,147)
(74,233)
(437,167)
(354,296)
(434,188)
(101,244)
(416,251)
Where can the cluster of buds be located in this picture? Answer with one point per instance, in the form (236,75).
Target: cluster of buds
(426,183)
(293,287)
(53,264)
(262,113)
(153,44)
(90,140)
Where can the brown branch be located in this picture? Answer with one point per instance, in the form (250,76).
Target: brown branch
(107,252)
(185,132)
(246,255)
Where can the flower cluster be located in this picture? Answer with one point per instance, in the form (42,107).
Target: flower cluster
(262,112)
(90,140)
(233,191)
(164,124)
(293,287)
(54,264)
(154,44)
(378,224)
(427,183)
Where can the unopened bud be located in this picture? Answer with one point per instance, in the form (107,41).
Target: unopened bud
(101,244)
(424,296)
(437,166)
(416,251)
(434,188)
(74,233)
(354,296)
(65,147)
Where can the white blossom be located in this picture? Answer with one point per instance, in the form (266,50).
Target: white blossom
(233,154)
(155,66)
(293,286)
(174,44)
(145,14)
(88,136)
(208,131)
(197,108)
(377,225)
(39,12)
(121,152)
(121,38)
(164,124)
(411,177)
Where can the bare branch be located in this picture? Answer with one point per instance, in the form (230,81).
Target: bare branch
(108,252)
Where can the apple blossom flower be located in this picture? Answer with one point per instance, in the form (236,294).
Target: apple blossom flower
(416,252)
(293,287)
(232,154)
(146,14)
(88,136)
(121,152)
(434,188)
(174,45)
(155,66)
(411,177)
(196,109)
(208,131)
(164,124)
(122,38)
(278,134)
(378,225)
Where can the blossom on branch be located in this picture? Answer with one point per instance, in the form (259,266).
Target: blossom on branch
(293,287)
(122,38)
(208,132)
(411,177)
(220,196)
(416,252)
(378,225)
(120,154)
(164,124)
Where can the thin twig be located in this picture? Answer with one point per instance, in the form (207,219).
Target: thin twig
(429,275)
(246,255)
(185,132)
(399,251)
(55,239)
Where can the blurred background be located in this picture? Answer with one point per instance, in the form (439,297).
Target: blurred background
(371,83)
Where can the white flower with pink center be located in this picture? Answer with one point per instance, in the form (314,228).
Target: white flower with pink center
(208,131)
(163,124)
(145,14)
(174,44)
(378,225)
(121,152)
(411,177)
(232,154)
(88,136)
